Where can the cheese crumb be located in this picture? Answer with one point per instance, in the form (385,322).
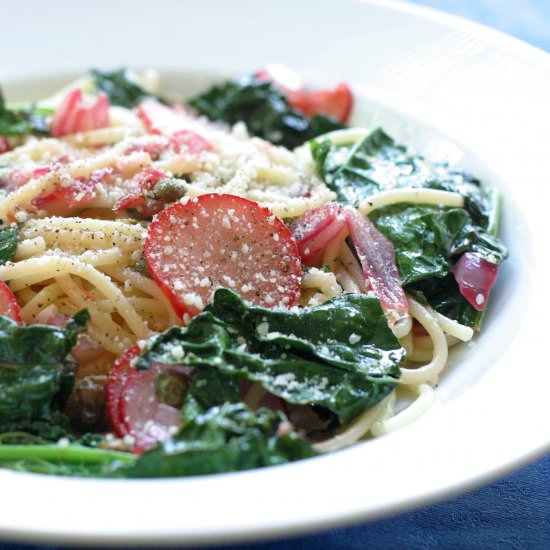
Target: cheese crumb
(177,352)
(263,328)
(63,443)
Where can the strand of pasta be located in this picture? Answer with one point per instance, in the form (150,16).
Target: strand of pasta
(104,136)
(422,354)
(345,280)
(324,281)
(63,305)
(419,355)
(109,256)
(291,207)
(145,285)
(411,195)
(30,247)
(59,265)
(39,301)
(151,310)
(50,228)
(402,327)
(452,327)
(426,398)
(80,168)
(351,264)
(148,305)
(34,149)
(347,136)
(178,164)
(332,250)
(440,350)
(279,175)
(408,343)
(108,333)
(355,431)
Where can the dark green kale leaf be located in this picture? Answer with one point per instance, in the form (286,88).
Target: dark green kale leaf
(23,119)
(119,89)
(444,296)
(340,355)
(9,236)
(225,438)
(32,432)
(34,382)
(264,109)
(377,163)
(27,393)
(38,345)
(427,239)
(358,170)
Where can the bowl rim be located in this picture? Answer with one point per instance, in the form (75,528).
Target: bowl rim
(468,476)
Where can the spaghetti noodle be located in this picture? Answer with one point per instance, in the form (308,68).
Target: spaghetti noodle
(83,203)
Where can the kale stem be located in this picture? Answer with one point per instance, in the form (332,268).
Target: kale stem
(72,453)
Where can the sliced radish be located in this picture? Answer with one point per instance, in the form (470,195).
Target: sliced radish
(87,349)
(137,186)
(18,177)
(187,141)
(161,119)
(377,257)
(8,304)
(315,229)
(73,115)
(475,277)
(172,122)
(78,193)
(118,377)
(145,418)
(336,102)
(193,248)
(132,401)
(158,118)
(284,78)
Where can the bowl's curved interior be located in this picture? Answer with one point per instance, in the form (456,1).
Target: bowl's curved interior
(451,90)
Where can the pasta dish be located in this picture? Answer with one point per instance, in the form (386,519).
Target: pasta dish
(239,281)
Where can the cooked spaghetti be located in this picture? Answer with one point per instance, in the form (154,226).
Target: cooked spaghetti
(170,225)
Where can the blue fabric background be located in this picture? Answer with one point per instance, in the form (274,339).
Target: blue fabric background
(512,513)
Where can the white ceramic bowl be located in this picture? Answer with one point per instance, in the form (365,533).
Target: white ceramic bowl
(454,90)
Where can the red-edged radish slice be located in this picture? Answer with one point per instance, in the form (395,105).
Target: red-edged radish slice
(118,377)
(187,141)
(158,118)
(475,277)
(73,115)
(315,229)
(137,186)
(146,419)
(336,102)
(8,304)
(377,257)
(194,247)
(172,122)
(77,194)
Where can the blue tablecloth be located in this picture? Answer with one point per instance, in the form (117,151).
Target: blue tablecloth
(511,513)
